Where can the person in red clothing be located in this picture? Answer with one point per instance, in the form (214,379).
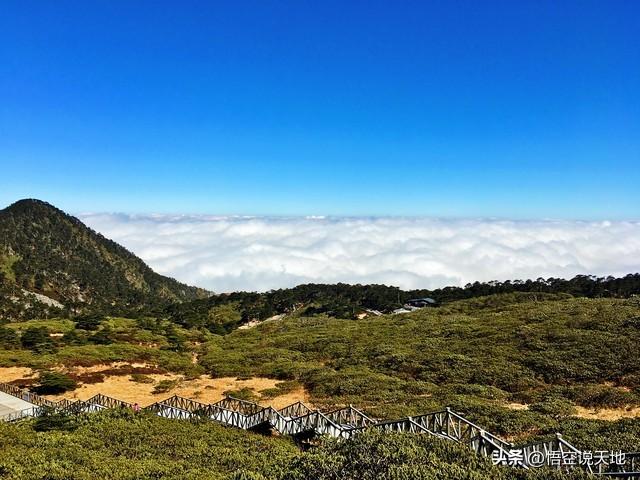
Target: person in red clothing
(136,407)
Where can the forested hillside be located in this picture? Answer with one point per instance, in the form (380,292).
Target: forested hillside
(47,252)
(223,313)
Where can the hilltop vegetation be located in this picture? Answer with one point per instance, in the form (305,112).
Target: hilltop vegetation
(47,252)
(225,312)
(90,340)
(478,356)
(518,364)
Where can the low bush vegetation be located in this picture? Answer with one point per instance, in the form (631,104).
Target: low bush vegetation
(384,456)
(477,356)
(164,386)
(519,364)
(123,445)
(280,389)
(54,383)
(141,378)
(45,344)
(244,393)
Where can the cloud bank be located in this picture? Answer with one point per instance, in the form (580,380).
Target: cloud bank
(260,253)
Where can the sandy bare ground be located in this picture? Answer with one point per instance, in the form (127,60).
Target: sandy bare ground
(122,387)
(607,413)
(9,374)
(593,413)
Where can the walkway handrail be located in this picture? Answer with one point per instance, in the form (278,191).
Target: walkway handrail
(298,419)
(26,395)
(108,402)
(296,409)
(20,414)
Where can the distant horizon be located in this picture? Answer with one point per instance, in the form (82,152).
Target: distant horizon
(311,216)
(258,253)
(226,253)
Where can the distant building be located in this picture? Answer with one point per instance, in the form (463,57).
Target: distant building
(415,304)
(420,302)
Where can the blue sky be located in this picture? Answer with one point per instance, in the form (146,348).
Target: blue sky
(444,108)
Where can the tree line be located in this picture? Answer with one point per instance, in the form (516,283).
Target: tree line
(342,300)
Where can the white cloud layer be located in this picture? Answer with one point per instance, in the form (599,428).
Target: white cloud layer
(259,253)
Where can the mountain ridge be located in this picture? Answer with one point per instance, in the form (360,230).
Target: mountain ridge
(45,251)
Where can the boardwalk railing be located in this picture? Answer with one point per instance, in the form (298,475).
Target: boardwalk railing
(22,414)
(26,395)
(298,419)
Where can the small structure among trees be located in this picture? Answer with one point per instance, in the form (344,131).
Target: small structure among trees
(420,302)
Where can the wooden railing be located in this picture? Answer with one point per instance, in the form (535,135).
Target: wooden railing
(298,419)
(26,395)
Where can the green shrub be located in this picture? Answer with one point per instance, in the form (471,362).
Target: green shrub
(244,393)
(37,339)
(247,475)
(141,378)
(88,322)
(52,420)
(164,386)
(554,407)
(600,396)
(122,445)
(54,383)
(375,455)
(8,338)
(281,388)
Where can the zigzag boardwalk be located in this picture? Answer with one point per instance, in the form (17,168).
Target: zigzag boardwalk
(298,420)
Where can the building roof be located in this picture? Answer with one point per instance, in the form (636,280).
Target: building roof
(425,299)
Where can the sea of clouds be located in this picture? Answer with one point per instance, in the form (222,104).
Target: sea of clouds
(260,253)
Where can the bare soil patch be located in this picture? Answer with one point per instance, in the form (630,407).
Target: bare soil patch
(610,414)
(115,380)
(9,374)
(607,413)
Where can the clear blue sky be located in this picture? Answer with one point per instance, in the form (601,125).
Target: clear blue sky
(518,109)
